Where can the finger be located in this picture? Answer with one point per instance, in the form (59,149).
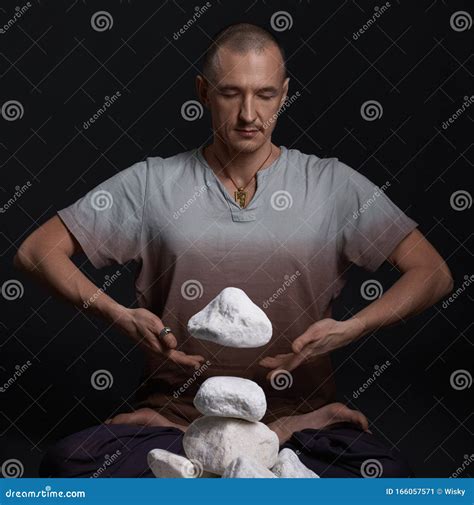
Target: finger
(182,359)
(169,340)
(270,362)
(302,341)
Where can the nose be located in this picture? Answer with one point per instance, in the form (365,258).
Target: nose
(247,111)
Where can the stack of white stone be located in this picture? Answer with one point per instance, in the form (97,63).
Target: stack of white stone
(229,440)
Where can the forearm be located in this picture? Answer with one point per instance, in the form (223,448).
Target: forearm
(58,273)
(416,290)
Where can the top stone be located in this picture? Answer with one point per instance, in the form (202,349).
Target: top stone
(233,320)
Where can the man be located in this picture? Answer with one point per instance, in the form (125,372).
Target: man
(283,226)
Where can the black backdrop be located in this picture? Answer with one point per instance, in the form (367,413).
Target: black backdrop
(413,65)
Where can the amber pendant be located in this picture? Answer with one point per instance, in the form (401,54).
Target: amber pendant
(240,197)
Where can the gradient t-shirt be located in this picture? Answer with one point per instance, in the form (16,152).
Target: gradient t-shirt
(289,250)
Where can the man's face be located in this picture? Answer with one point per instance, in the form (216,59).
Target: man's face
(246,93)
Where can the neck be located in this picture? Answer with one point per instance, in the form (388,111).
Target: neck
(242,165)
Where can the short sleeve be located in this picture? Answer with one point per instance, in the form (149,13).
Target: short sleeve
(370,225)
(107,221)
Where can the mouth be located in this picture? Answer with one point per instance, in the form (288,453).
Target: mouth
(247,132)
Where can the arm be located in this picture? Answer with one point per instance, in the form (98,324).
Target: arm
(426,279)
(46,255)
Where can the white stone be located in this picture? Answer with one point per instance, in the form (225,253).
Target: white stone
(233,320)
(289,466)
(165,464)
(244,467)
(231,397)
(216,441)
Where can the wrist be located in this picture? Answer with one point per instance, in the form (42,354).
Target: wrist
(354,328)
(117,314)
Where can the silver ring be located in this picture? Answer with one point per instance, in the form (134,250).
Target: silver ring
(164,332)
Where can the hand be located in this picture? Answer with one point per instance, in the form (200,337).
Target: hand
(143,327)
(319,339)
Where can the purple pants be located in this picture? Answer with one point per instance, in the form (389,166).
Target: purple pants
(120,450)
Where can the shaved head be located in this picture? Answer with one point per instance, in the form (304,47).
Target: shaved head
(239,38)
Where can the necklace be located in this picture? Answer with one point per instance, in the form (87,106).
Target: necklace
(240,196)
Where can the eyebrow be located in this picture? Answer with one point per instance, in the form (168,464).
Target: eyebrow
(231,87)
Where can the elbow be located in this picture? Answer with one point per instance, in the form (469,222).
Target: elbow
(446,280)
(22,260)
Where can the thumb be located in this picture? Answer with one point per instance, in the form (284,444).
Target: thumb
(303,340)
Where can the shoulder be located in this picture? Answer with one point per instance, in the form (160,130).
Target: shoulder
(171,167)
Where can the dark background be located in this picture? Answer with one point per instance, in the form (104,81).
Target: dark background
(60,69)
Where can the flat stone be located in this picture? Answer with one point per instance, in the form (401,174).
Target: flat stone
(165,464)
(231,397)
(289,466)
(233,320)
(244,467)
(215,442)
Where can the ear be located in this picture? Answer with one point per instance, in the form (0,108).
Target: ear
(285,91)
(202,90)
